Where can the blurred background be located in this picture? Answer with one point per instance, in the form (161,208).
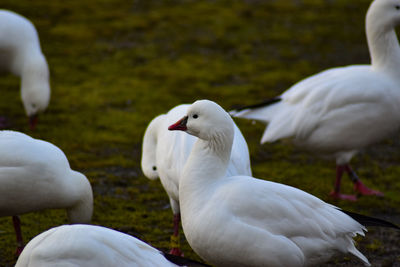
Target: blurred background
(116,64)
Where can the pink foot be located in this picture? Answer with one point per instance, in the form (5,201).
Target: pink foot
(176,252)
(363,190)
(337,195)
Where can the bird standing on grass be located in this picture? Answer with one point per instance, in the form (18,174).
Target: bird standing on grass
(20,54)
(341,110)
(35,175)
(164,154)
(244,221)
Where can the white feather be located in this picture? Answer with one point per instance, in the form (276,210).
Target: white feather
(20,53)
(244,221)
(35,175)
(168,152)
(341,110)
(88,246)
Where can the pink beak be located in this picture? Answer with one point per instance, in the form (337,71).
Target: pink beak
(33,119)
(179,125)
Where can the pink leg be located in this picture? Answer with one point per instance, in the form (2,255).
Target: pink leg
(336,192)
(359,187)
(17,227)
(175,242)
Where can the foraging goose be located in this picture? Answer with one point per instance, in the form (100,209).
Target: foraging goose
(165,153)
(237,221)
(93,246)
(20,53)
(341,110)
(35,175)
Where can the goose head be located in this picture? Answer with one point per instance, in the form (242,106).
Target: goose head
(206,120)
(35,88)
(150,171)
(384,13)
(35,101)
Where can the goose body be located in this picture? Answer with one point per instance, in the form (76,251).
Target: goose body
(21,54)
(165,153)
(89,246)
(341,110)
(35,175)
(237,221)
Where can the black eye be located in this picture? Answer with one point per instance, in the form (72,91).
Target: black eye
(154,168)
(195,116)
(397,7)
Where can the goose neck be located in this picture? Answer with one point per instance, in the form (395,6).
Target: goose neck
(208,160)
(383,44)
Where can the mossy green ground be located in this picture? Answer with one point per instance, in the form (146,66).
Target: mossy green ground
(117,64)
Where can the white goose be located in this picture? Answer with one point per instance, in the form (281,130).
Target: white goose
(35,175)
(341,110)
(20,53)
(237,221)
(93,246)
(165,153)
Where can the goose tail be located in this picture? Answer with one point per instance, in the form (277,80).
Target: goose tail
(251,111)
(370,221)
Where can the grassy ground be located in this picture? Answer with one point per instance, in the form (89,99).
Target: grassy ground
(117,64)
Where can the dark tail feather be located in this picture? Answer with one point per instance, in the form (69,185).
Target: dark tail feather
(181,261)
(262,104)
(370,221)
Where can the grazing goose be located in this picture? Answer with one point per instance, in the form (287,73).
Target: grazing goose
(244,221)
(341,110)
(35,175)
(165,153)
(20,54)
(93,246)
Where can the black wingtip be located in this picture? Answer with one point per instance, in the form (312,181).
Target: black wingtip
(181,261)
(259,105)
(370,221)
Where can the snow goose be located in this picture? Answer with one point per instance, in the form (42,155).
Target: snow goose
(165,153)
(20,53)
(341,110)
(244,221)
(93,246)
(35,175)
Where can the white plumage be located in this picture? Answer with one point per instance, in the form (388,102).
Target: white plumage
(35,175)
(165,153)
(89,246)
(341,110)
(20,53)
(244,221)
